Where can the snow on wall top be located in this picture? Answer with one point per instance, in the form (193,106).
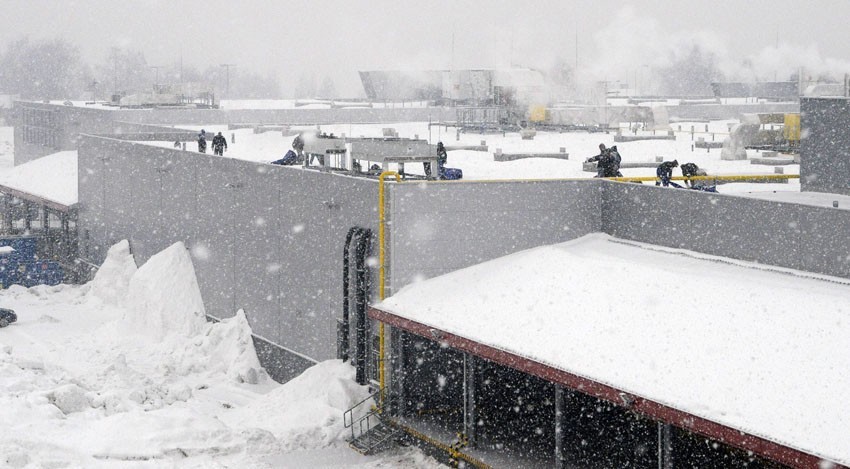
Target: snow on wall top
(762,351)
(52,177)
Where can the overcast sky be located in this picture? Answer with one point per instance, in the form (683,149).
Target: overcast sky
(615,38)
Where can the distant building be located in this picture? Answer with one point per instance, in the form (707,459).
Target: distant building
(478,87)
(777,90)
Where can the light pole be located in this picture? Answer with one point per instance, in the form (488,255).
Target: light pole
(227,78)
(156,79)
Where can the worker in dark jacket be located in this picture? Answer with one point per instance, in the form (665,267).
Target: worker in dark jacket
(607,162)
(202,141)
(219,144)
(689,170)
(664,172)
(289,159)
(442,158)
(613,169)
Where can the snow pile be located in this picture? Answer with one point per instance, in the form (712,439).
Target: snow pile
(164,297)
(177,434)
(78,388)
(112,280)
(69,398)
(306,412)
(225,347)
(163,301)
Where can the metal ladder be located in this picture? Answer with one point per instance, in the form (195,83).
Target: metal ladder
(371,433)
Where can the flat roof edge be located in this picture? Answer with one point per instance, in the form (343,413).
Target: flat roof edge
(21,194)
(763,447)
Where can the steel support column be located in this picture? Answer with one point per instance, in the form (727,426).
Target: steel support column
(7,215)
(397,369)
(45,220)
(470,416)
(27,217)
(559,427)
(665,446)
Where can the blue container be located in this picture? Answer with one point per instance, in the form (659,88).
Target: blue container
(22,267)
(24,246)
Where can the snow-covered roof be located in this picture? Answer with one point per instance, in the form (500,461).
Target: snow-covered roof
(52,177)
(747,346)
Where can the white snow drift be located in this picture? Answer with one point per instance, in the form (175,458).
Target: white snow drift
(126,372)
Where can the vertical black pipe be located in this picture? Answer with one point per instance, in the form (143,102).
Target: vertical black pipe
(344,347)
(361,289)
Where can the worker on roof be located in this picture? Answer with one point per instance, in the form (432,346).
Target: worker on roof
(219,144)
(664,172)
(607,162)
(690,170)
(202,141)
(442,158)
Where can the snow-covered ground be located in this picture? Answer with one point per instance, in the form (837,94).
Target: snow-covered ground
(126,372)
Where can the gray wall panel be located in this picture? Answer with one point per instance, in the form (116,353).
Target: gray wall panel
(437,228)
(217,194)
(240,220)
(825,145)
(258,272)
(90,173)
(788,235)
(178,201)
(823,245)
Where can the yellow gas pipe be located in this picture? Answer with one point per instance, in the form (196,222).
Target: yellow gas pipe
(381,269)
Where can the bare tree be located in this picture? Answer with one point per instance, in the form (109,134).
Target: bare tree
(124,71)
(691,75)
(50,69)
(327,90)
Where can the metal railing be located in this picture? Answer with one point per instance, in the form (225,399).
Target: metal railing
(378,401)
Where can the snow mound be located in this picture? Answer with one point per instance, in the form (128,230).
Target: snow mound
(69,398)
(225,347)
(174,435)
(112,281)
(306,412)
(164,297)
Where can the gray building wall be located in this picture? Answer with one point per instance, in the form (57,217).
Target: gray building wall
(41,129)
(440,227)
(267,239)
(62,125)
(825,145)
(727,111)
(286,116)
(776,233)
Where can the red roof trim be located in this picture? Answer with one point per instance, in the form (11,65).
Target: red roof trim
(765,448)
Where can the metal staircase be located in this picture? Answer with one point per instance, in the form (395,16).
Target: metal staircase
(371,432)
